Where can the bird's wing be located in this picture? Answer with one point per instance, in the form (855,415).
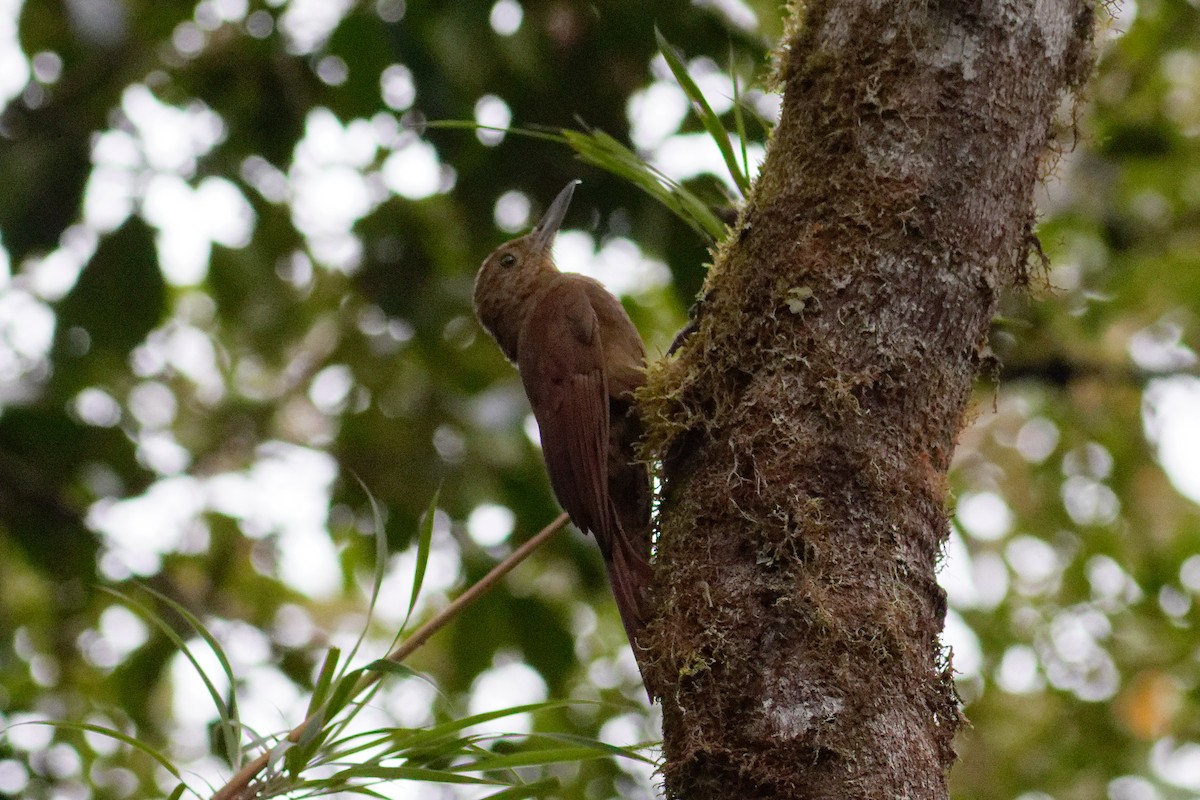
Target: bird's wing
(561,360)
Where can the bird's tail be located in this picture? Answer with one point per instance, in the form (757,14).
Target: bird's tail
(629,573)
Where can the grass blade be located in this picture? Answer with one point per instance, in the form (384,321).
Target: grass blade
(230,726)
(442,741)
(380,772)
(324,681)
(381,553)
(424,538)
(344,697)
(391,668)
(456,725)
(599,149)
(528,758)
(468,125)
(628,751)
(113,733)
(344,691)
(739,119)
(361,742)
(536,789)
(708,118)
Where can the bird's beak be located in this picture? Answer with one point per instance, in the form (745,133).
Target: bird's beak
(547,229)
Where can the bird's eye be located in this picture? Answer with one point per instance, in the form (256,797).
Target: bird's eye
(507,260)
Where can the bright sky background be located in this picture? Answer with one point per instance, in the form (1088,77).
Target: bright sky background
(341,171)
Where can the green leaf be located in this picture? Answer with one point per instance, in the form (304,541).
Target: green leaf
(468,125)
(391,668)
(363,741)
(231,727)
(344,690)
(112,733)
(284,751)
(601,150)
(739,119)
(378,771)
(347,690)
(327,787)
(380,568)
(529,758)
(453,726)
(311,737)
(324,680)
(424,537)
(537,789)
(443,741)
(628,751)
(708,118)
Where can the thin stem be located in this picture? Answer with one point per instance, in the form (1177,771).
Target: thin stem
(238,785)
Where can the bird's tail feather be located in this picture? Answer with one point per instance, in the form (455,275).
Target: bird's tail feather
(629,573)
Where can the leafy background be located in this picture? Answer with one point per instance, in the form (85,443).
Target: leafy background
(235,306)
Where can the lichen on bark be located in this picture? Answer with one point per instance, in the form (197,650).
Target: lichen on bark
(806,427)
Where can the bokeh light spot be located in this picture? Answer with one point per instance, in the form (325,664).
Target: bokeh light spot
(506,17)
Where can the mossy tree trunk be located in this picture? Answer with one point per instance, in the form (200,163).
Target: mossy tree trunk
(807,425)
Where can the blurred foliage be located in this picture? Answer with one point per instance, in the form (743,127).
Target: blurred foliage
(236,291)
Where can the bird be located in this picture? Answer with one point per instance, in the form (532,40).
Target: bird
(580,359)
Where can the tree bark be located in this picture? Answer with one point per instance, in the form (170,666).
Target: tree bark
(807,425)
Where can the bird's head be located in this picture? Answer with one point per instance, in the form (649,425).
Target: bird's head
(510,277)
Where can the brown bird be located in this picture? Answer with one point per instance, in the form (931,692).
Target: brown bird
(580,359)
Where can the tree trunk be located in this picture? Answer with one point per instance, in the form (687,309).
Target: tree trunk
(807,425)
